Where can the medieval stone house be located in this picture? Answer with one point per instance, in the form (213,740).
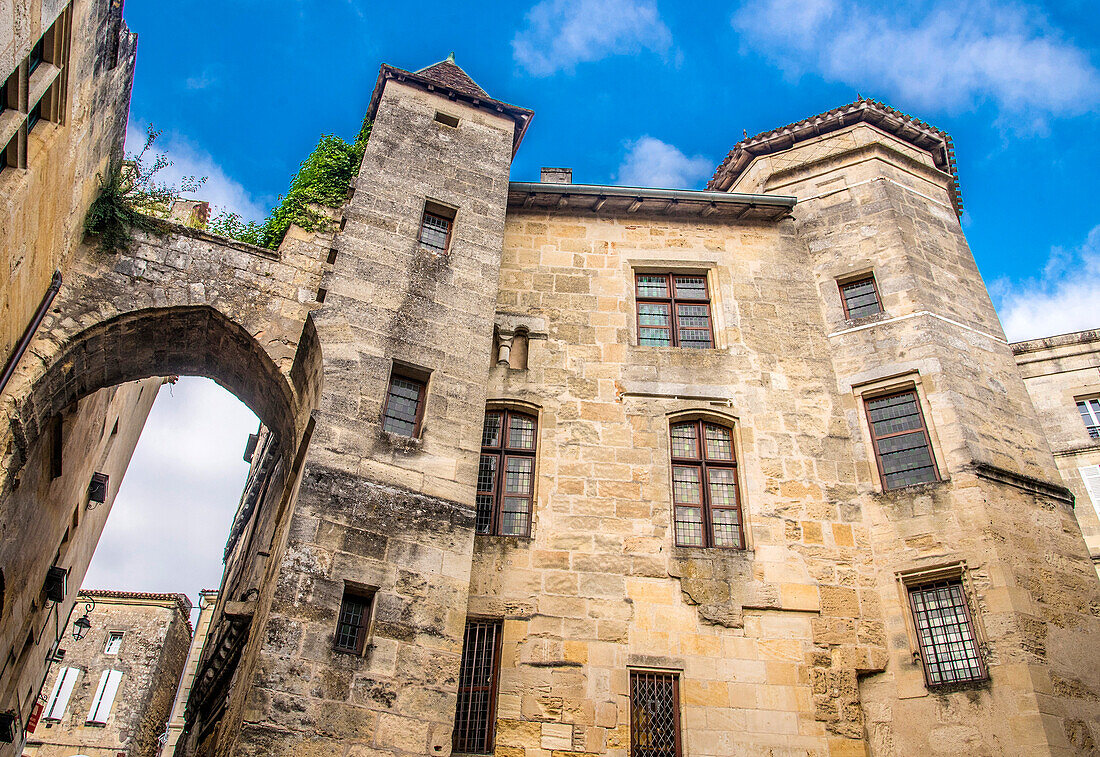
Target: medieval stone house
(552,468)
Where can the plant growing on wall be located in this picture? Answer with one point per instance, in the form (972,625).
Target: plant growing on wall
(131,197)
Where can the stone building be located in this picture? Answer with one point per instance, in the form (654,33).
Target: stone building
(207,603)
(110,693)
(552,468)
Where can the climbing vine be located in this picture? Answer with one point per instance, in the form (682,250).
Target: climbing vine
(322,179)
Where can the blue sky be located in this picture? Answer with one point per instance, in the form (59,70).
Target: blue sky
(651,92)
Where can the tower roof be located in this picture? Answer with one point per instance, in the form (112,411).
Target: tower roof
(447,79)
(901,125)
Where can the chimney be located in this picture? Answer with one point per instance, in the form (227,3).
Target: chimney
(557,175)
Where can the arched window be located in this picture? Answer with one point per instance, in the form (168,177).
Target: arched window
(704,486)
(504,501)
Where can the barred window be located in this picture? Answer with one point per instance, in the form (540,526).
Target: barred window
(945,633)
(673,310)
(435,226)
(860,297)
(354,620)
(1090,414)
(475,715)
(900,437)
(654,714)
(404,405)
(704,486)
(506,474)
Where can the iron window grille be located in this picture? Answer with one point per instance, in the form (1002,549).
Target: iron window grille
(673,310)
(654,714)
(354,621)
(945,634)
(436,226)
(475,715)
(903,449)
(860,297)
(506,473)
(1090,414)
(704,486)
(404,410)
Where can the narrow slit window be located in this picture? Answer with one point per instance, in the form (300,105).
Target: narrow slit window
(654,714)
(404,409)
(902,447)
(354,621)
(1090,414)
(705,498)
(673,310)
(506,474)
(475,716)
(945,634)
(860,297)
(446,120)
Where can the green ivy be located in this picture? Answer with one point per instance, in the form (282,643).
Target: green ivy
(322,179)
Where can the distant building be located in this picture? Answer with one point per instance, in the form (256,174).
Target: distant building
(112,692)
(208,600)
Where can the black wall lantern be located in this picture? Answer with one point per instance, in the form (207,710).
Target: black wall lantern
(56,584)
(7,727)
(82,625)
(97,490)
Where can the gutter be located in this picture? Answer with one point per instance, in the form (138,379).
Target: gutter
(32,327)
(648,193)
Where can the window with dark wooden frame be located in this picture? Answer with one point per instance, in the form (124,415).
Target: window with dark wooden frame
(654,714)
(673,310)
(404,408)
(475,715)
(860,297)
(1090,414)
(707,509)
(436,226)
(354,621)
(945,633)
(902,447)
(506,474)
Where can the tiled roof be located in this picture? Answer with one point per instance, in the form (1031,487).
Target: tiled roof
(182,599)
(449,74)
(890,120)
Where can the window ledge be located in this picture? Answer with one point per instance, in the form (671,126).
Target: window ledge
(41,80)
(913,489)
(10,121)
(866,320)
(400,442)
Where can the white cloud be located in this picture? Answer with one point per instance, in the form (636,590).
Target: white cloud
(170,520)
(1062,300)
(937,55)
(220,190)
(562,33)
(649,162)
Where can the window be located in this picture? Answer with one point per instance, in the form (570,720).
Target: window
(704,486)
(37,55)
(654,714)
(114,642)
(34,116)
(945,633)
(446,119)
(673,310)
(1090,414)
(62,690)
(354,621)
(860,297)
(404,405)
(435,227)
(504,502)
(104,696)
(900,438)
(475,716)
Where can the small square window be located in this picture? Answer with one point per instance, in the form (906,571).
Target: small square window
(446,120)
(860,297)
(114,642)
(435,227)
(673,310)
(354,622)
(404,405)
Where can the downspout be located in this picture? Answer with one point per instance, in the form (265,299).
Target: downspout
(32,327)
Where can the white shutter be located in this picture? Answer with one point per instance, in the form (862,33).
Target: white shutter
(1090,474)
(62,690)
(98,696)
(104,696)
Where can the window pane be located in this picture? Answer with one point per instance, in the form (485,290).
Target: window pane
(689,526)
(685,440)
(654,715)
(654,337)
(404,400)
(860,298)
(906,460)
(519,475)
(490,433)
(521,432)
(894,414)
(690,287)
(514,516)
(652,286)
(433,231)
(723,487)
(685,485)
(484,513)
(653,314)
(948,646)
(719,442)
(727,528)
(694,326)
(353,616)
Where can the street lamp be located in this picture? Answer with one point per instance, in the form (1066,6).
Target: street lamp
(82,625)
